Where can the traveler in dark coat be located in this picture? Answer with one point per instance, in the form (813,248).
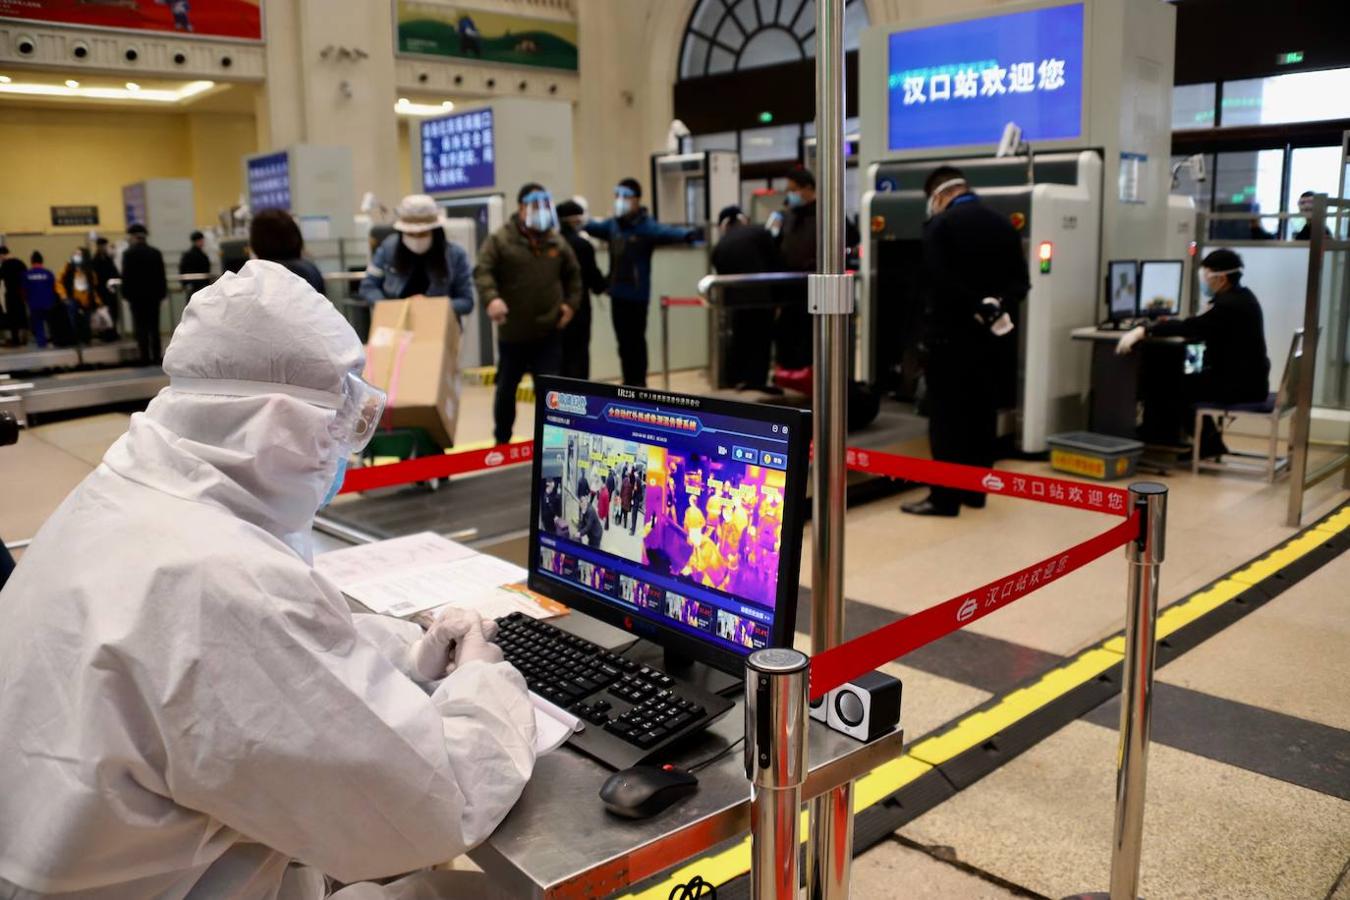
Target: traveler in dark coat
(530,286)
(194,261)
(743,249)
(1236,368)
(274,236)
(977,277)
(576,350)
(14,309)
(106,270)
(797,242)
(145,287)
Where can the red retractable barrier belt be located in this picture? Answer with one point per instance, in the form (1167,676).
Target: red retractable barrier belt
(425,468)
(682,301)
(870,651)
(1059,491)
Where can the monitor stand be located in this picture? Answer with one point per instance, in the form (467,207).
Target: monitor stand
(686,668)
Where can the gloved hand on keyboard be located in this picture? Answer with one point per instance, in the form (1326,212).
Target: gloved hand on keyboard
(435,654)
(476,645)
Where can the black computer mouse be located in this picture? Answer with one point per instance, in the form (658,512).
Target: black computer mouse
(644,791)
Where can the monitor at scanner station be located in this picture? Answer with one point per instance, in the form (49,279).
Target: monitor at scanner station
(1122,289)
(1160,287)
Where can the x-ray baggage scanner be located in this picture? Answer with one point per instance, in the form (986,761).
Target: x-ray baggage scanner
(1089,84)
(1059,217)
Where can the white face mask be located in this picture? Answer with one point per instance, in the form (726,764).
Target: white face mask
(417,243)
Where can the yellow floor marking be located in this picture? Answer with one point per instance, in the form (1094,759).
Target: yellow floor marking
(1335,524)
(1281,556)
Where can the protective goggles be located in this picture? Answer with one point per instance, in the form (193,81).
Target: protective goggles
(359,406)
(622,191)
(1205,273)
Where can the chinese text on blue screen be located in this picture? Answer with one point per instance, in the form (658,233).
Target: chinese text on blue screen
(269,182)
(458,152)
(958,84)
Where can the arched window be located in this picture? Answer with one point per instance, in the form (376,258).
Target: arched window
(727,35)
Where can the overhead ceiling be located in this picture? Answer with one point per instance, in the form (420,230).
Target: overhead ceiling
(172,96)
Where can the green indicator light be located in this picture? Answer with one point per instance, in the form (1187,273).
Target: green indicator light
(1289,58)
(766,117)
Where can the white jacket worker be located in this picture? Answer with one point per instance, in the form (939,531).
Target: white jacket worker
(190,715)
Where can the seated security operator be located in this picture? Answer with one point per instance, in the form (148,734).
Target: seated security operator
(1236,367)
(200,715)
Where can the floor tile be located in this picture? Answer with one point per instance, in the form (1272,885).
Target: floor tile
(890,869)
(1044,822)
(1290,655)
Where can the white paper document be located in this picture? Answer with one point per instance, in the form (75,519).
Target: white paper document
(408,575)
(364,562)
(553,725)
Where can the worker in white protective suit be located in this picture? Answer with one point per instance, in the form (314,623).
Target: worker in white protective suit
(199,714)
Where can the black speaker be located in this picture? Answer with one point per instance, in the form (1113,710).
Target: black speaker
(865,708)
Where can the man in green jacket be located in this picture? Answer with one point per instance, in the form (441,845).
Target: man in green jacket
(530,284)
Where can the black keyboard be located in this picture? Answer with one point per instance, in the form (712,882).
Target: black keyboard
(630,711)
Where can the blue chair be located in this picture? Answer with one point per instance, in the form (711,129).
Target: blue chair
(1274,409)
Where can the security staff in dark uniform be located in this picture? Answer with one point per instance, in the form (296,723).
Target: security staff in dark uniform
(976,276)
(1236,368)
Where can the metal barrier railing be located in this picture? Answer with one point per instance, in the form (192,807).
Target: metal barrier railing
(712,296)
(1321,242)
(780,682)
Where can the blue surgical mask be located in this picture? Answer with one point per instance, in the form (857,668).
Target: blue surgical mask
(336,486)
(621,206)
(794,198)
(1205,290)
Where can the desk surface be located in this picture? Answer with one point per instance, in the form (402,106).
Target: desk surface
(560,842)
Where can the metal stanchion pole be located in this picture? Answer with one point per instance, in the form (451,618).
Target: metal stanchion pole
(775,763)
(1145,555)
(830,293)
(665,342)
(718,336)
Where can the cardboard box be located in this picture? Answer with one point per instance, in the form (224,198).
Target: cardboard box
(413,354)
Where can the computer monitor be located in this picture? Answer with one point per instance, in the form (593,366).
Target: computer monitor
(1160,286)
(705,559)
(1122,289)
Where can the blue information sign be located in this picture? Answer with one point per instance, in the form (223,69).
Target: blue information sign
(458,153)
(133,203)
(958,84)
(269,182)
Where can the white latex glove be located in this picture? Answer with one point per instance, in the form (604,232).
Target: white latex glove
(432,656)
(1129,339)
(475,646)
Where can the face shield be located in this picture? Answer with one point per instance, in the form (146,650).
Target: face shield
(624,199)
(539,214)
(358,407)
